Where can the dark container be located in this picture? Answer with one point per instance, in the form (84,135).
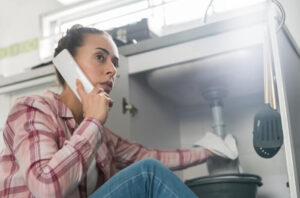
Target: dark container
(225,186)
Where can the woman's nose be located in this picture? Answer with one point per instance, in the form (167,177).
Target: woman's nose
(111,69)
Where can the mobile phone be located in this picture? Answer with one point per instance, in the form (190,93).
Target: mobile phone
(70,71)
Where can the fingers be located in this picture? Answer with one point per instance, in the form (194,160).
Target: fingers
(209,153)
(111,103)
(108,99)
(97,90)
(80,90)
(103,93)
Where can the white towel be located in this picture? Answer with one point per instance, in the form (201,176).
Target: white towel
(225,148)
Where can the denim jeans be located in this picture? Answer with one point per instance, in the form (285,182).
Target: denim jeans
(147,178)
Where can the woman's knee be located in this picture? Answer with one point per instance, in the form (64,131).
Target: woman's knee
(151,163)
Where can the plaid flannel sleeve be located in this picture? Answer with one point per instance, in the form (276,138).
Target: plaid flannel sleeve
(130,152)
(47,170)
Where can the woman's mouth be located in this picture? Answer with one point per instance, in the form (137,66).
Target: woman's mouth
(107,86)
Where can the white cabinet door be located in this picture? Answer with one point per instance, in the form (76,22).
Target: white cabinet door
(287,68)
(117,121)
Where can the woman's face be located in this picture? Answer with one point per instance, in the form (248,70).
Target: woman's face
(98,58)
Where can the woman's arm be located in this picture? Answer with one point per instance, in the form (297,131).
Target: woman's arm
(127,153)
(47,170)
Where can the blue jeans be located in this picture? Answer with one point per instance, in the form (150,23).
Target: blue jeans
(147,178)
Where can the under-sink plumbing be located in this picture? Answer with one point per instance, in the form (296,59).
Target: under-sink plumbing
(215,96)
(219,165)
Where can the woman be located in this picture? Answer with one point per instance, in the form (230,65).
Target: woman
(57,146)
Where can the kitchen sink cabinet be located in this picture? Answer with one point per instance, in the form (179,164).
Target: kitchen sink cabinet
(167,79)
(158,97)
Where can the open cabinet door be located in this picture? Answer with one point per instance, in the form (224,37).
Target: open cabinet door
(117,121)
(287,70)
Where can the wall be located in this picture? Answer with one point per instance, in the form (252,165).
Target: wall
(20,21)
(238,116)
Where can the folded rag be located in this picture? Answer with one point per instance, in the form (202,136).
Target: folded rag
(225,148)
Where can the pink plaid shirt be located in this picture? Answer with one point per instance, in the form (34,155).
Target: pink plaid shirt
(46,154)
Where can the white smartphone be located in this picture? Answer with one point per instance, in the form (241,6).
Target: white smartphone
(70,71)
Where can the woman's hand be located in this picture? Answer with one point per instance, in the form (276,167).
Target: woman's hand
(95,104)
(209,153)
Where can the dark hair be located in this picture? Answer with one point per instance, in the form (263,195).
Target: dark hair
(73,39)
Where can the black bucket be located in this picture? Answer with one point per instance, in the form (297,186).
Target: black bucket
(225,186)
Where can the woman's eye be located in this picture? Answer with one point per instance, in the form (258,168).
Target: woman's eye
(116,63)
(100,57)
